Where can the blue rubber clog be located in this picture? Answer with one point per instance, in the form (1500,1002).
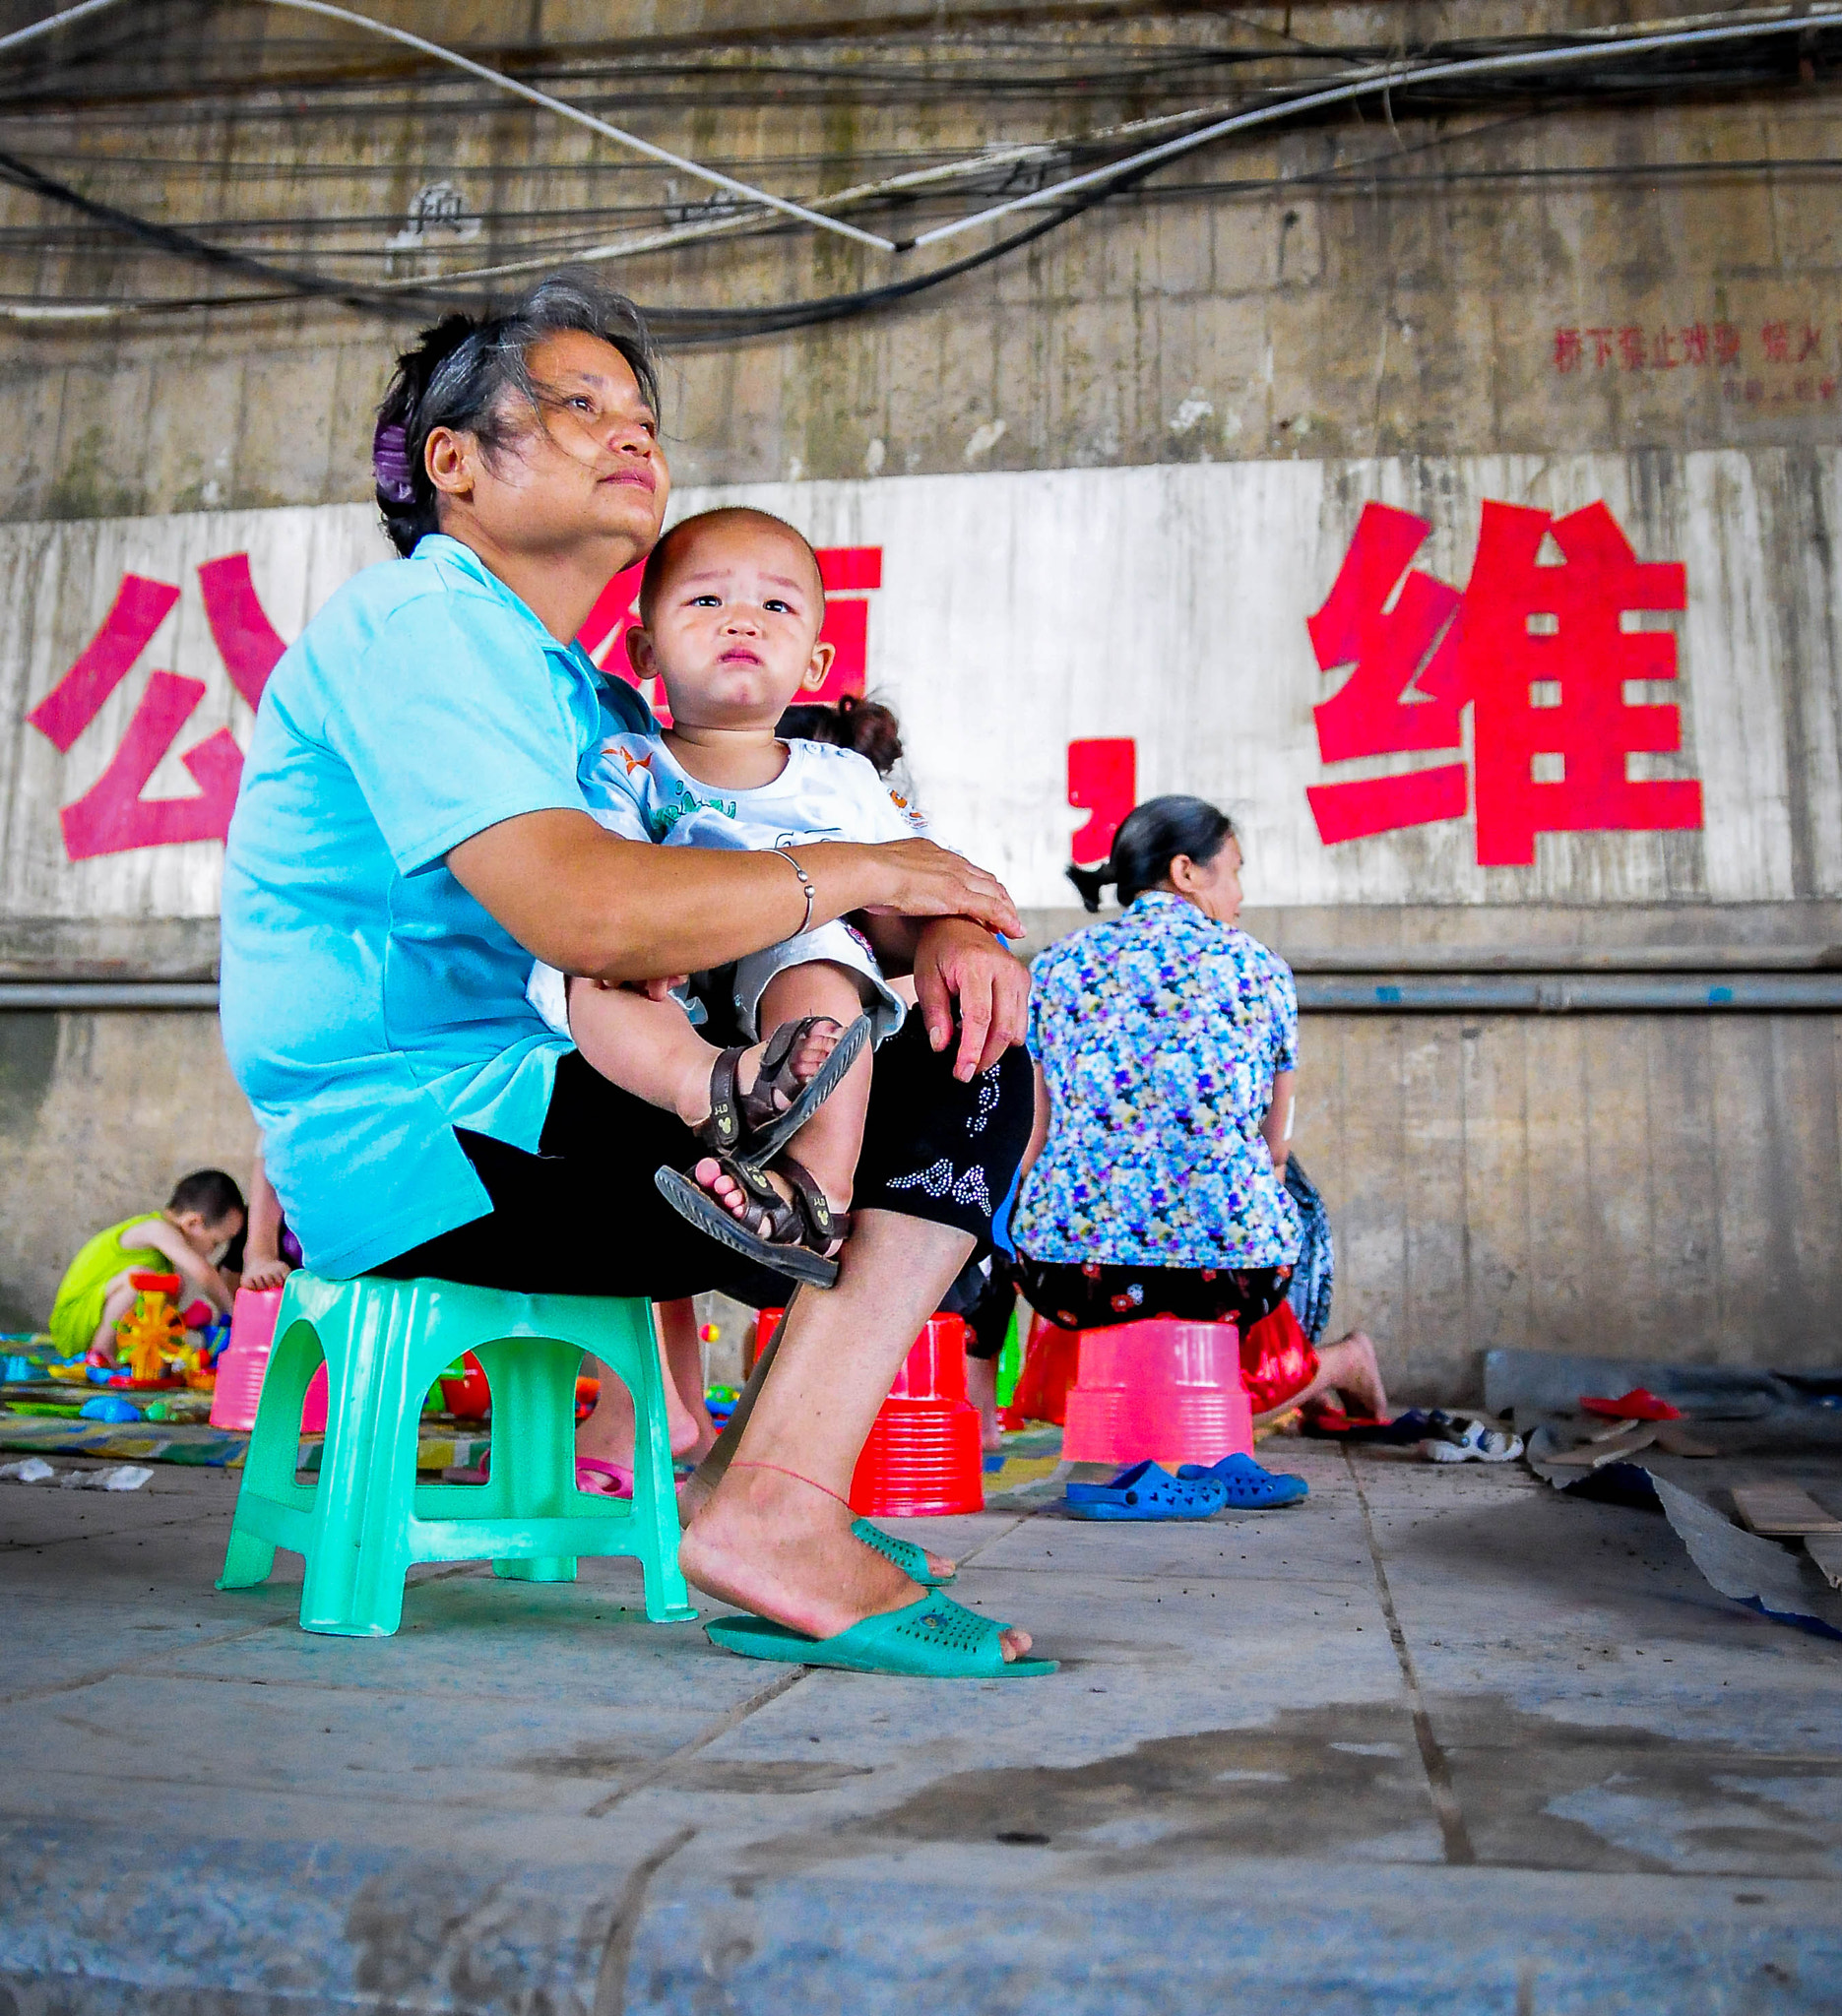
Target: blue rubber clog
(1247,1486)
(1145,1491)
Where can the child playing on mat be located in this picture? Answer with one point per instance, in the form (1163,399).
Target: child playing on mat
(204,1214)
(731,605)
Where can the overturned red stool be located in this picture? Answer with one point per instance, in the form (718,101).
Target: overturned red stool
(1160,1389)
(924,1457)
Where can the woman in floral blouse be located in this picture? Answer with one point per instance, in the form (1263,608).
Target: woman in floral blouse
(1166,1041)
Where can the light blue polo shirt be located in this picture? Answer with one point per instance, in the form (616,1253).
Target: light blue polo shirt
(370,1004)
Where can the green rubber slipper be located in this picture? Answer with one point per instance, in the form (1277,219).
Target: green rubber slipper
(907,1554)
(934,1639)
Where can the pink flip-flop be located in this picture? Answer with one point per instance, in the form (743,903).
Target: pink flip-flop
(590,1470)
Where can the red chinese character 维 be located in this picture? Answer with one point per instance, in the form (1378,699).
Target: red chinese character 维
(1581,664)
(1726,344)
(1602,346)
(1631,348)
(1695,344)
(1540,653)
(1567,349)
(1776,339)
(112,816)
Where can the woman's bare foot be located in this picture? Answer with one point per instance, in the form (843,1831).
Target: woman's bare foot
(805,1061)
(1349,1366)
(783,1549)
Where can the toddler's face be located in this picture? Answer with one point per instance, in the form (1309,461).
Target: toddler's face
(734,628)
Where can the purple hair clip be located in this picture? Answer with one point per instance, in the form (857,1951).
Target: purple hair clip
(390,463)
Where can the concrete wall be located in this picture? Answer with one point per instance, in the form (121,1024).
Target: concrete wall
(99,1114)
(1669,1183)
(1646,1187)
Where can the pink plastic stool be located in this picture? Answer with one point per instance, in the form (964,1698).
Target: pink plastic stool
(245,1359)
(1159,1389)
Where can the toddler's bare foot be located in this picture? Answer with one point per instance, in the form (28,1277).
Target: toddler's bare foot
(709,1174)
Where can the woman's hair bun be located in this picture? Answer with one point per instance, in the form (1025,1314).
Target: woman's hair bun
(1150,837)
(852,723)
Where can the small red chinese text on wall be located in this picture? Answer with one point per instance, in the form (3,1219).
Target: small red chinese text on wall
(1538,650)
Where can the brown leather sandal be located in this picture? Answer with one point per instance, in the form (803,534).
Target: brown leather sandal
(755,1121)
(792,1238)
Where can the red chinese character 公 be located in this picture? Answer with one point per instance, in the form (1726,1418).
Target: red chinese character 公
(1567,349)
(1540,653)
(1775,336)
(1809,343)
(1726,344)
(112,816)
(1695,344)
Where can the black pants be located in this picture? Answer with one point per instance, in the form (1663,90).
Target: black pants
(1097,1296)
(583,1216)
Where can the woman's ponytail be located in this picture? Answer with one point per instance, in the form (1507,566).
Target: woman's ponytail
(1091,881)
(1150,837)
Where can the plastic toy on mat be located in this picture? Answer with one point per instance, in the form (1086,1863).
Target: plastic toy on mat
(152,1331)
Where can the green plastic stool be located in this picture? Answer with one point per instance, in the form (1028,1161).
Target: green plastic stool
(367,1518)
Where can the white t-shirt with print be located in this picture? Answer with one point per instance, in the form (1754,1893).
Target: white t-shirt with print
(636,787)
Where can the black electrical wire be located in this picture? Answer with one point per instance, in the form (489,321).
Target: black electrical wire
(1631,80)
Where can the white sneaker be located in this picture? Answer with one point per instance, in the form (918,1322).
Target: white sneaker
(1460,1439)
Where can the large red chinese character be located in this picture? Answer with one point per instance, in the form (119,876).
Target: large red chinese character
(1541,655)
(1103,783)
(1556,691)
(112,816)
(1401,693)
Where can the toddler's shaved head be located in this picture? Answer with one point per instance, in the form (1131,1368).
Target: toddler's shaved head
(676,546)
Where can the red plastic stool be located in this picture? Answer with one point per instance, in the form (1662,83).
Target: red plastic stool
(1048,1374)
(1159,1389)
(923,1456)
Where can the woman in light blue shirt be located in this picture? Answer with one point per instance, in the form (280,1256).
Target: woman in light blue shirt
(411,834)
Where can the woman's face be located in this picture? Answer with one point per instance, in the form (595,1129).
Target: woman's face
(585,471)
(1214,887)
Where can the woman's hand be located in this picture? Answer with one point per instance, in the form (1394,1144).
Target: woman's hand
(924,880)
(957,961)
(270,1270)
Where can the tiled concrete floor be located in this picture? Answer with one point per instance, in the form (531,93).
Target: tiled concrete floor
(1435,1738)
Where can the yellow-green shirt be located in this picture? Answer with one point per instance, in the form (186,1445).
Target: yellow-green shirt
(82,1292)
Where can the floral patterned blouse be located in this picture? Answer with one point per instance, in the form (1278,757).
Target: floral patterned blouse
(1160,1033)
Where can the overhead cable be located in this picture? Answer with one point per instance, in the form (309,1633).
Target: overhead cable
(1386,78)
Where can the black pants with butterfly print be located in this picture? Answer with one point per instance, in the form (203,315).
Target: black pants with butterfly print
(584,1216)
